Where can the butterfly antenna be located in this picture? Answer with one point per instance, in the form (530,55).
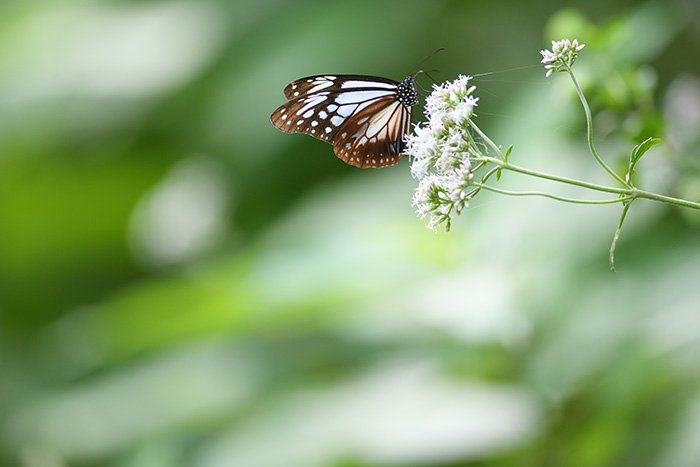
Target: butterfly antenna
(428,58)
(426,73)
(423,90)
(505,70)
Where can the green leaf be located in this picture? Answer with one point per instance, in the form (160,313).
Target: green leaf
(498,175)
(643,147)
(508,151)
(637,153)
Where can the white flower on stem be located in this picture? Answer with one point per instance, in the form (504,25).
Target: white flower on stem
(439,195)
(562,55)
(431,199)
(441,153)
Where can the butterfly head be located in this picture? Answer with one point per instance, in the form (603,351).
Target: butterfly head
(407,93)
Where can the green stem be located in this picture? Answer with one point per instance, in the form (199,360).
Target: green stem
(589,129)
(483,136)
(490,173)
(557,178)
(558,198)
(613,245)
(631,193)
(664,199)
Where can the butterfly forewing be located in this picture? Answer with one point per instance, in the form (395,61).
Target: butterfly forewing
(319,83)
(365,118)
(322,114)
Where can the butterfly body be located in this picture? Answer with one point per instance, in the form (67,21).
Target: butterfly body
(364,117)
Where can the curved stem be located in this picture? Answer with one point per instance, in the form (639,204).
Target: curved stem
(589,130)
(558,198)
(490,173)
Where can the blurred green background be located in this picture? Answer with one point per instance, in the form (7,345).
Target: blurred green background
(183,285)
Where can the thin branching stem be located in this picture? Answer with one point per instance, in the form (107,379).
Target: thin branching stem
(626,192)
(613,245)
(556,197)
(483,136)
(557,178)
(589,129)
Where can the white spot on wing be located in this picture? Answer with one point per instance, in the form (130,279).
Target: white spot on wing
(354,97)
(367,84)
(322,85)
(335,120)
(308,113)
(311,102)
(345,110)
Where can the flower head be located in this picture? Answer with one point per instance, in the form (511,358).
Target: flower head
(451,102)
(441,152)
(562,55)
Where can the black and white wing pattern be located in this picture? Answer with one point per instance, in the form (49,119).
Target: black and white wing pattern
(365,118)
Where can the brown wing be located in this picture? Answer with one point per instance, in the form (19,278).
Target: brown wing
(373,137)
(360,115)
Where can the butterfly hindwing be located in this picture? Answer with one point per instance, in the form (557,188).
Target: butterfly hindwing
(374,136)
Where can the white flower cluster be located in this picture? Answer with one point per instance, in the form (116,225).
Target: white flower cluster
(441,152)
(562,55)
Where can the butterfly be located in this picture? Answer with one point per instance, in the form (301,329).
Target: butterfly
(365,118)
